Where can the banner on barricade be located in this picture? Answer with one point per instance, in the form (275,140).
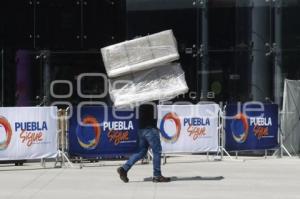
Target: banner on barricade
(188,128)
(251,126)
(28,133)
(97,131)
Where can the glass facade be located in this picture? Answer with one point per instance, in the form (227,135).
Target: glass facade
(230,50)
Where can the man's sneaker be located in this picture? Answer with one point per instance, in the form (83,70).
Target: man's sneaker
(123,174)
(161,179)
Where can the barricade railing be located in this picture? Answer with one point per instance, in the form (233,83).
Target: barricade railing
(199,133)
(261,128)
(62,156)
(98,132)
(218,153)
(261,125)
(30,134)
(63,148)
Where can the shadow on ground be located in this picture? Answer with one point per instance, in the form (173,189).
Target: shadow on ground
(194,178)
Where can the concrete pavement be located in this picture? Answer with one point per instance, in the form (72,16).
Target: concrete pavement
(193,177)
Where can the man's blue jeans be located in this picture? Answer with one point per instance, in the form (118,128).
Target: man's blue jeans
(147,137)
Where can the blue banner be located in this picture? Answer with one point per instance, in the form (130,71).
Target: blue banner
(251,126)
(99,131)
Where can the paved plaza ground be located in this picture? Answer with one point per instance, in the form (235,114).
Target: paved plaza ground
(192,177)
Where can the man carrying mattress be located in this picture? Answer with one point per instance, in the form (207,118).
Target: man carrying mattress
(142,70)
(148,137)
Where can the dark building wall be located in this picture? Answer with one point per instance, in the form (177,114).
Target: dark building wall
(62,25)
(230,50)
(243,48)
(58,39)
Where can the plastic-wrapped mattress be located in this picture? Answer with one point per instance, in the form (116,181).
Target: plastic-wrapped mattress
(140,54)
(161,83)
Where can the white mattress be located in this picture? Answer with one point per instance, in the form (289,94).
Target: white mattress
(162,83)
(140,54)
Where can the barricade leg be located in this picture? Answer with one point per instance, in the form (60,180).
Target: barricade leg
(62,157)
(164,159)
(281,147)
